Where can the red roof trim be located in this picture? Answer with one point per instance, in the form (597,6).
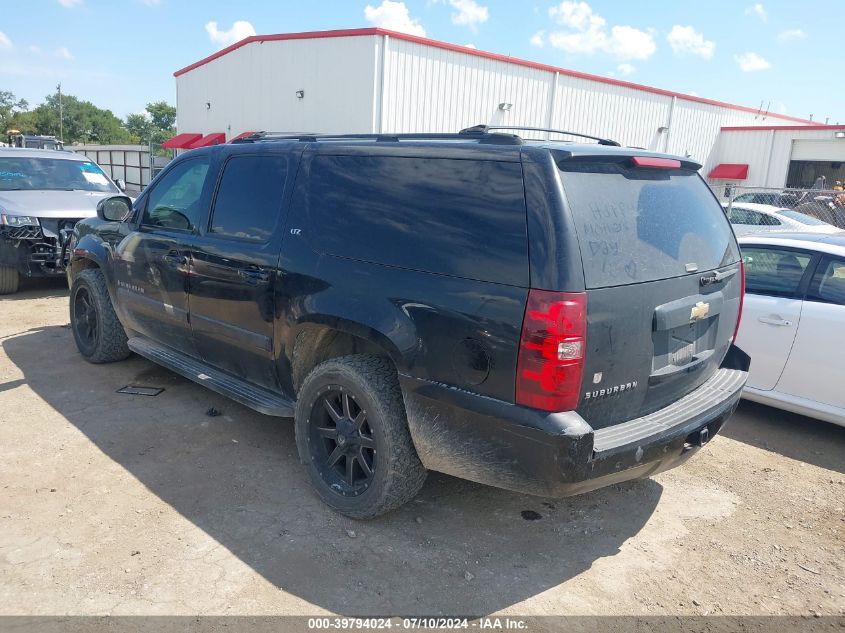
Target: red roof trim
(314,35)
(729,171)
(306,35)
(181,141)
(784,128)
(215,138)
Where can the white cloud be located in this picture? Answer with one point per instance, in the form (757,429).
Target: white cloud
(538,39)
(626,42)
(393,16)
(35,50)
(240,30)
(791,34)
(5,42)
(151,3)
(586,33)
(587,42)
(70,4)
(759,10)
(469,13)
(578,16)
(751,62)
(625,69)
(470,46)
(685,40)
(63,53)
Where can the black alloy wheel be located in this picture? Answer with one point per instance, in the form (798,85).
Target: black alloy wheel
(98,333)
(341,441)
(353,438)
(85,319)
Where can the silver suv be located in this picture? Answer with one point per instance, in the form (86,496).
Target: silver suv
(43,193)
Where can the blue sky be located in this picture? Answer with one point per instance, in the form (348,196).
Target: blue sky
(121,54)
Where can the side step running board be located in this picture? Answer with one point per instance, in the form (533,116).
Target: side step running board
(261,400)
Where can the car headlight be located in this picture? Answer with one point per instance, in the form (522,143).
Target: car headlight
(18,220)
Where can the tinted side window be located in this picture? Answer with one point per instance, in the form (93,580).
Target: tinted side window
(828,285)
(175,201)
(745,216)
(773,272)
(249,197)
(457,217)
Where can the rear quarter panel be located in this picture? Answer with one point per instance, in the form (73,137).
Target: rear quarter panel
(460,332)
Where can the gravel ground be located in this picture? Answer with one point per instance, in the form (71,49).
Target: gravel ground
(118,504)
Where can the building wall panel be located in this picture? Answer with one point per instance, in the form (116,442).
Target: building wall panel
(435,90)
(254,88)
(609,111)
(768,152)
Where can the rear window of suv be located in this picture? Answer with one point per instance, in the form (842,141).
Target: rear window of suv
(639,225)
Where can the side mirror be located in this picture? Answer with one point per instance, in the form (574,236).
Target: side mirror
(114,208)
(121,184)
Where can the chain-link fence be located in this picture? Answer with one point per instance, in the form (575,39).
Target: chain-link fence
(827,205)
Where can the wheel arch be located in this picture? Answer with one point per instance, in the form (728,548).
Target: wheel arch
(90,252)
(317,340)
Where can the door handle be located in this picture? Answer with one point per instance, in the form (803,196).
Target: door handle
(175,259)
(253,275)
(775,321)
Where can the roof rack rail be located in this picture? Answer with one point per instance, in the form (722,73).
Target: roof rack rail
(493,139)
(486,129)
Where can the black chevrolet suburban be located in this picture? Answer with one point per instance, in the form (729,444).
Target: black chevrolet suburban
(541,316)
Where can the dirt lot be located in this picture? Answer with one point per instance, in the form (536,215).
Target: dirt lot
(117,504)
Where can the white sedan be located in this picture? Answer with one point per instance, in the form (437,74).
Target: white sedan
(749,218)
(793,322)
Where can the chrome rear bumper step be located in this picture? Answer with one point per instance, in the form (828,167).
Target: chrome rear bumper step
(718,389)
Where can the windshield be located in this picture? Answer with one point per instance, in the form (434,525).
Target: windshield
(801,217)
(637,225)
(30,174)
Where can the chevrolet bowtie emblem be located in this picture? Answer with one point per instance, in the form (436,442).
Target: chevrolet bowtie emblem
(699,311)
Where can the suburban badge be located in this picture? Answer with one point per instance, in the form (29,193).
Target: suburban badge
(610,391)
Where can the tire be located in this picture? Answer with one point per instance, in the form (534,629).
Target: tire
(9,280)
(352,386)
(99,335)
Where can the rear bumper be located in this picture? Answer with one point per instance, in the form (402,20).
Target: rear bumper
(559,454)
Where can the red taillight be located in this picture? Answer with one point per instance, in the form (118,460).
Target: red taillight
(741,297)
(551,350)
(656,163)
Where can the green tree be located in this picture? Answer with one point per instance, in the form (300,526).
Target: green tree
(139,126)
(83,122)
(156,126)
(23,121)
(10,106)
(162,115)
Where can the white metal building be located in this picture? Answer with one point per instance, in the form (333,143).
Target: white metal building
(373,80)
(778,156)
